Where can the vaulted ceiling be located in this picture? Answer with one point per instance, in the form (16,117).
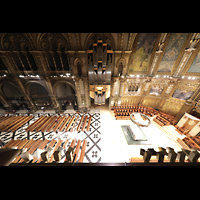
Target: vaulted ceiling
(47,58)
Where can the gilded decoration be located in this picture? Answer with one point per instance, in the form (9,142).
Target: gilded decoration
(172,106)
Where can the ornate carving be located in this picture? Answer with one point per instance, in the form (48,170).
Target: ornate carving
(52,42)
(106,37)
(15,42)
(172,106)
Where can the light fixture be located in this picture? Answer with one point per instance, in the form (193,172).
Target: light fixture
(99,88)
(183,76)
(138,75)
(193,78)
(189,77)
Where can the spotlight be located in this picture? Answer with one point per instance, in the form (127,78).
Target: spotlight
(189,77)
(138,75)
(193,78)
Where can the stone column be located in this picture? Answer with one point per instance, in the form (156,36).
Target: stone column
(87,96)
(78,94)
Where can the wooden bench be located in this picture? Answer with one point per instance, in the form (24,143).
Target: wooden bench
(79,125)
(33,145)
(33,124)
(59,123)
(20,124)
(84,123)
(89,121)
(81,158)
(62,128)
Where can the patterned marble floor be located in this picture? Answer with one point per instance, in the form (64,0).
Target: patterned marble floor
(93,136)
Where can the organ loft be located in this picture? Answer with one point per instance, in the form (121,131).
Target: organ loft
(65,90)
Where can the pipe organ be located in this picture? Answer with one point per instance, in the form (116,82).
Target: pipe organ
(99,72)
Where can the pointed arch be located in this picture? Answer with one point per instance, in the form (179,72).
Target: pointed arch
(93,37)
(78,66)
(51,41)
(121,64)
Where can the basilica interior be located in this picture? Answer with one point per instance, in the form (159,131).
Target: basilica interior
(66,98)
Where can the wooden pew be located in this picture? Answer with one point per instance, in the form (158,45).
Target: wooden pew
(41,147)
(51,144)
(55,148)
(44,125)
(84,123)
(34,124)
(8,144)
(72,146)
(70,123)
(28,145)
(79,125)
(14,123)
(48,124)
(53,124)
(32,148)
(89,121)
(81,158)
(39,126)
(59,123)
(77,150)
(7,122)
(18,125)
(74,124)
(62,128)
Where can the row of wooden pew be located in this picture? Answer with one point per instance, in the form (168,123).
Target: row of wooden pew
(12,123)
(70,154)
(161,121)
(123,112)
(61,123)
(150,155)
(192,142)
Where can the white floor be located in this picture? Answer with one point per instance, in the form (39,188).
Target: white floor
(114,147)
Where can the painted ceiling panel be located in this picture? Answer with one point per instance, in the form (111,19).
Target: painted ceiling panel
(140,59)
(172,51)
(195,67)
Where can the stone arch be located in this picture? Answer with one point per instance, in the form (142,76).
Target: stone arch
(93,37)
(27,85)
(52,41)
(39,94)
(66,94)
(66,82)
(16,42)
(78,66)
(13,95)
(121,64)
(11,90)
